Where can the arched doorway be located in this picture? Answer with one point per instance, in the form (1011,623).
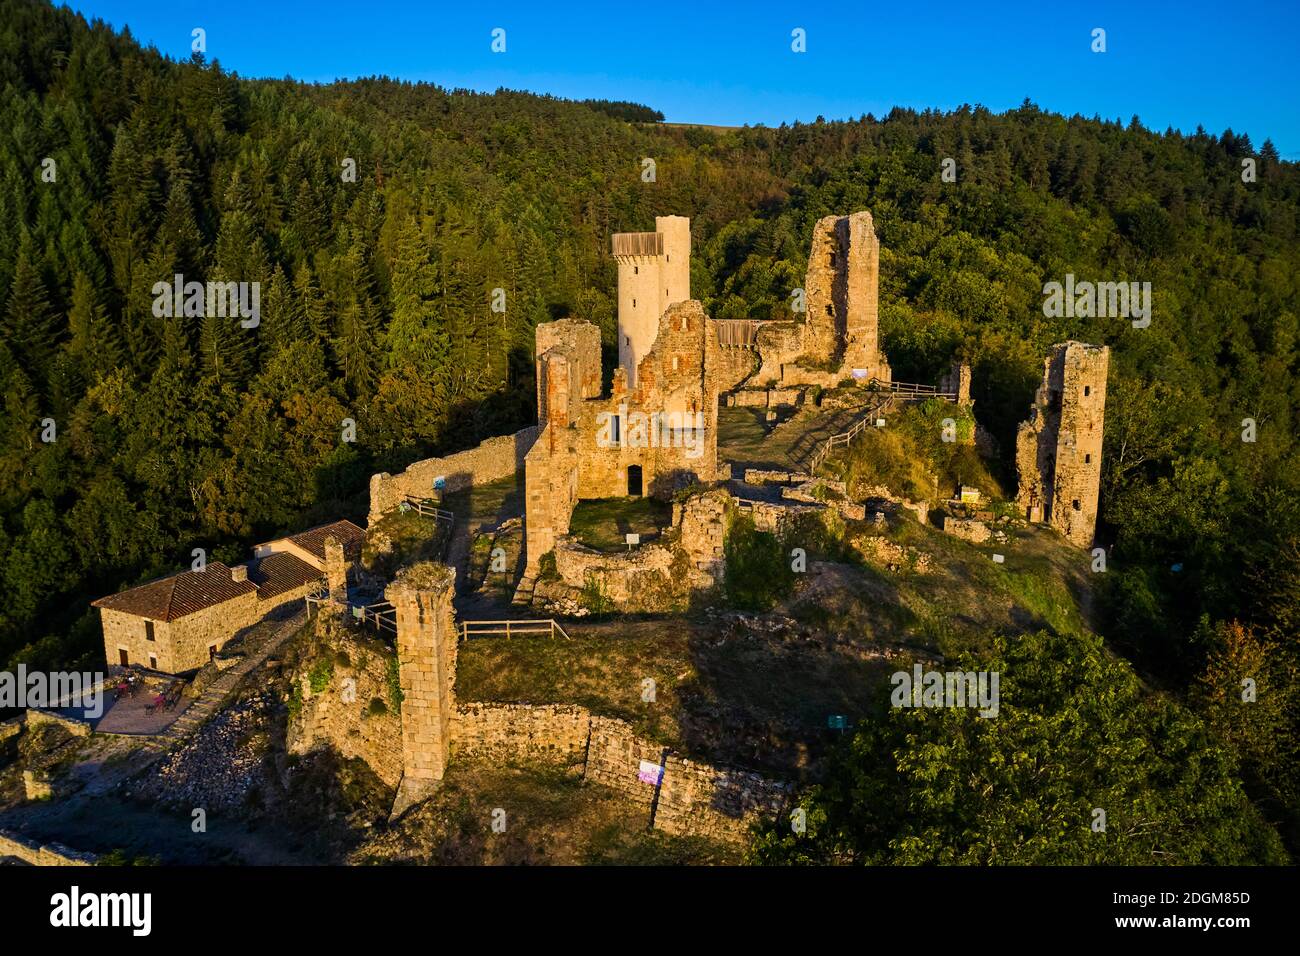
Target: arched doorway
(634,480)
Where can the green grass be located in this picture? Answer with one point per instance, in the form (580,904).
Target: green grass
(489,504)
(603,523)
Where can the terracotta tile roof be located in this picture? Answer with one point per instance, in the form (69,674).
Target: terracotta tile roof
(277,573)
(186,593)
(313,539)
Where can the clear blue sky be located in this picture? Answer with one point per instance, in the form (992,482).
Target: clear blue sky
(1221,65)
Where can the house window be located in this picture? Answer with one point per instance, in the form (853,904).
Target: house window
(1087,459)
(1076,504)
(634,303)
(153,662)
(1087,390)
(122,657)
(148,631)
(636,270)
(616,429)
(212,652)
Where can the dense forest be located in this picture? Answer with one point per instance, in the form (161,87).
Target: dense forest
(128,439)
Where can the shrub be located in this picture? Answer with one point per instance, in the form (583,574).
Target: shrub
(547,571)
(377,708)
(321,673)
(758,567)
(594,598)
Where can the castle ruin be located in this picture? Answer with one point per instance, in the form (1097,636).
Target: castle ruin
(840,335)
(1058,449)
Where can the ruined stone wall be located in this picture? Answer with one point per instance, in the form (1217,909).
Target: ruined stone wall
(38,854)
(698,799)
(839,335)
(551,733)
(692,798)
(614,757)
(649,579)
(494,459)
(344,716)
(1058,449)
(701,521)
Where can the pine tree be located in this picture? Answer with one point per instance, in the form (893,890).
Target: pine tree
(30,324)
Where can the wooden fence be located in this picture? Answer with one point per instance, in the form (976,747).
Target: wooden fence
(472,629)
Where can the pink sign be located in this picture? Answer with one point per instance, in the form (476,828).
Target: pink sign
(650,773)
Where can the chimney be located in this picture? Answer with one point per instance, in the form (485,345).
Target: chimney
(239,572)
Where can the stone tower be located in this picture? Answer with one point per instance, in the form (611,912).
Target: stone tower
(842,288)
(654,272)
(1058,449)
(426,656)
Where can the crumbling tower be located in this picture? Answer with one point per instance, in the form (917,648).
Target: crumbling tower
(1058,449)
(426,654)
(654,272)
(842,289)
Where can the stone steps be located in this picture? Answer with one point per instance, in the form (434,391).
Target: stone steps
(524,592)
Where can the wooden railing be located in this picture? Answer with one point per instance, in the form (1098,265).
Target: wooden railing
(471,629)
(381,615)
(843,438)
(429,509)
(912,390)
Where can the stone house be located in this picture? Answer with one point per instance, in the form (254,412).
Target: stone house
(178,623)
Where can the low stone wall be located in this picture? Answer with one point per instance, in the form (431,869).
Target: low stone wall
(697,799)
(49,854)
(968,529)
(652,578)
(689,798)
(490,461)
(765,398)
(614,757)
(548,732)
(78,728)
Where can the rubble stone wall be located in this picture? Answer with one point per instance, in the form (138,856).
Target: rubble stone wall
(490,461)
(343,715)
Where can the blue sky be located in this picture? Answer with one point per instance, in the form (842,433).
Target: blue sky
(1222,65)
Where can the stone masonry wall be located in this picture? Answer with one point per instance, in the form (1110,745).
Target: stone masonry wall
(37,854)
(494,459)
(549,733)
(342,716)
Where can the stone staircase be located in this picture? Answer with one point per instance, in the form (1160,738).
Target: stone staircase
(524,592)
(212,698)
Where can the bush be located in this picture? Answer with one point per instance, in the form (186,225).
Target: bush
(321,673)
(758,567)
(377,708)
(594,598)
(547,571)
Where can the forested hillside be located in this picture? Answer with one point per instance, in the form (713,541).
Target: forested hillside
(172,434)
